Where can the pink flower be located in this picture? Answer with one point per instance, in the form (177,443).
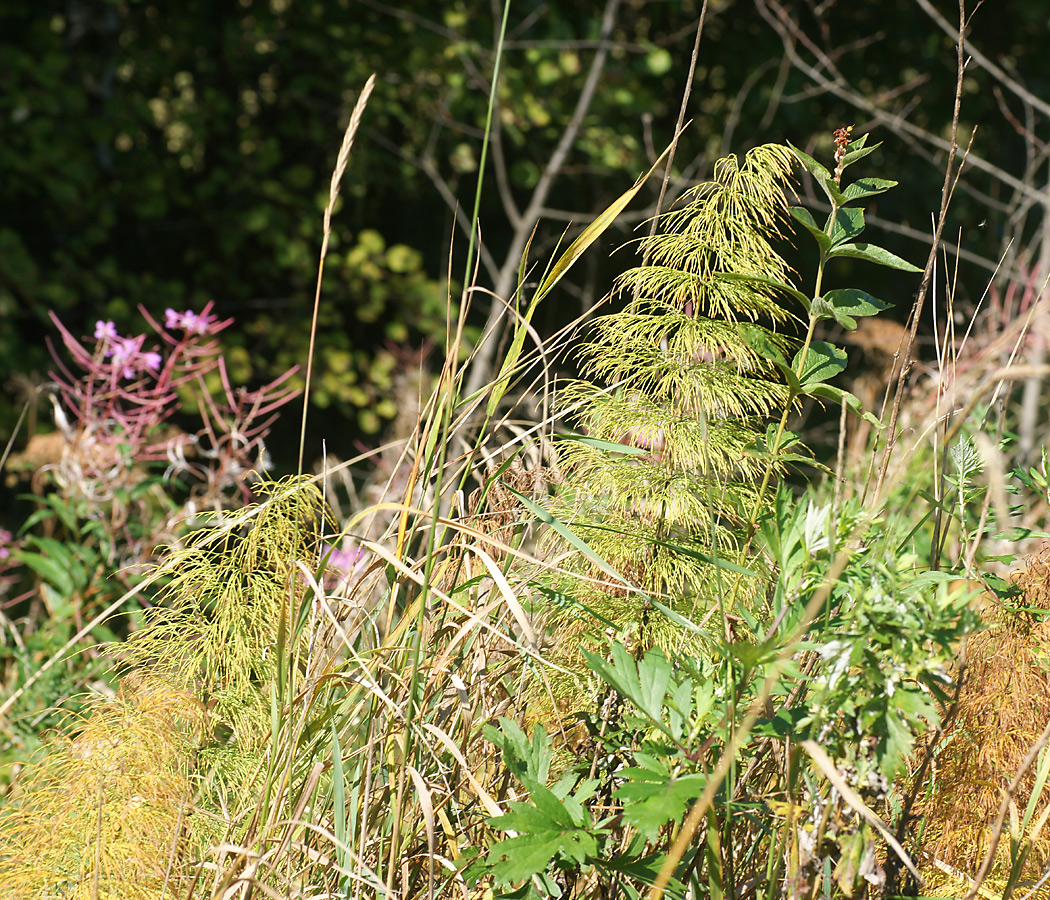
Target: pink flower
(151,360)
(120,353)
(342,565)
(105,331)
(126,355)
(188,321)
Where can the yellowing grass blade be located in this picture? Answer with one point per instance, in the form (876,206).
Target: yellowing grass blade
(508,597)
(575,250)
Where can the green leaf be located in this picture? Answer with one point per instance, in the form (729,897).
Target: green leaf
(557,525)
(644,683)
(599,444)
(854,302)
(1013,535)
(547,831)
(55,572)
(846,225)
(784,724)
(859,153)
(859,143)
(867,187)
(652,800)
(803,215)
(64,512)
(644,871)
(761,341)
(821,309)
(529,762)
(518,858)
(816,169)
(339,799)
(838,395)
(874,254)
(823,361)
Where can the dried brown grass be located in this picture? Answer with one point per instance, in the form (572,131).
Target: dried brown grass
(1003,708)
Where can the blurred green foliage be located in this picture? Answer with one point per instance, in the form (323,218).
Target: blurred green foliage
(169,156)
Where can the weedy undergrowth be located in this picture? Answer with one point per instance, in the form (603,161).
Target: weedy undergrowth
(772,659)
(167,768)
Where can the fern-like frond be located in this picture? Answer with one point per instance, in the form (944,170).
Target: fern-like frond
(683,380)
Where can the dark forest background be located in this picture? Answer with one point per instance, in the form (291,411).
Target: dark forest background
(171,154)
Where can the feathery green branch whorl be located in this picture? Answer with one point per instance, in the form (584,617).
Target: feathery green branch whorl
(676,379)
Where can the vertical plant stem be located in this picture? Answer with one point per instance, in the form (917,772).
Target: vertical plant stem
(333,193)
(469,267)
(951,175)
(686,91)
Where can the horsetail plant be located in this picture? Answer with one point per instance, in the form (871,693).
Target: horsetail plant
(682,416)
(687,393)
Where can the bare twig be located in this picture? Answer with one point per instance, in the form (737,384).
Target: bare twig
(951,176)
(686,91)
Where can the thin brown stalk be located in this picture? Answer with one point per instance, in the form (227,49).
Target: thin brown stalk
(951,178)
(686,91)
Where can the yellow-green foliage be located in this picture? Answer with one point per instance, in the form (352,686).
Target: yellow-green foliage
(676,381)
(128,799)
(231,618)
(106,810)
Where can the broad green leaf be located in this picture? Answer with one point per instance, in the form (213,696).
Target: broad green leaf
(821,174)
(823,361)
(816,169)
(64,512)
(855,302)
(859,144)
(838,395)
(529,761)
(803,215)
(643,683)
(853,155)
(784,724)
(873,254)
(867,187)
(53,571)
(1014,535)
(821,309)
(846,225)
(651,800)
(761,341)
(547,831)
(521,857)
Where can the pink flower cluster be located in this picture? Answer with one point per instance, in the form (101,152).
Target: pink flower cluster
(116,408)
(190,322)
(126,354)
